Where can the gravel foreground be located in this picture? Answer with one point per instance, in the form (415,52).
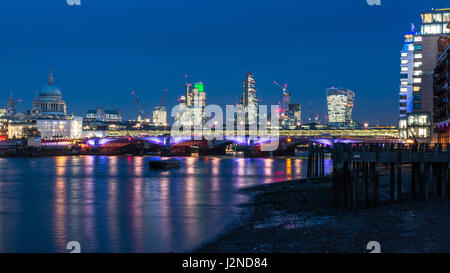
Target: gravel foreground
(297,217)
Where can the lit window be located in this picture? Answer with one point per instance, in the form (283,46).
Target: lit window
(446,29)
(411,47)
(416,88)
(446,17)
(417,80)
(418,73)
(404,83)
(404,54)
(403,89)
(418,56)
(437,17)
(404,69)
(418,39)
(427,18)
(423,120)
(417,47)
(432,29)
(404,61)
(418,64)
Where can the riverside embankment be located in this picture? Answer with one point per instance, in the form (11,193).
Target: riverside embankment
(298,216)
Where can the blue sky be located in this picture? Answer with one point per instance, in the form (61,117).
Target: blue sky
(102,50)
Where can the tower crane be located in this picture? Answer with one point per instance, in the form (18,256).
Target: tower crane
(141,112)
(163,97)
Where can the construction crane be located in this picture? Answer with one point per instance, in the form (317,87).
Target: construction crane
(163,97)
(141,112)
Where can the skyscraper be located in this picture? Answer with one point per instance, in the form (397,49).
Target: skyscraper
(159,116)
(192,105)
(293,117)
(340,106)
(249,99)
(418,62)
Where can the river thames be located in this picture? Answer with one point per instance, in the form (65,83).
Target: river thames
(116,204)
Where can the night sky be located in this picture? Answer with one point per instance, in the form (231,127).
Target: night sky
(103,50)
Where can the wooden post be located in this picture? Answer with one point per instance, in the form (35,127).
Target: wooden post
(366,179)
(338,176)
(422,174)
(309,162)
(399,173)
(376,175)
(322,160)
(392,169)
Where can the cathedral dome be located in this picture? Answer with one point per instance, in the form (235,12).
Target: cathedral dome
(51,89)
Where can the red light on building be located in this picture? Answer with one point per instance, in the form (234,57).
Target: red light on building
(2,138)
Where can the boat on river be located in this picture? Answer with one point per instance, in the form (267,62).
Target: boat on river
(164,164)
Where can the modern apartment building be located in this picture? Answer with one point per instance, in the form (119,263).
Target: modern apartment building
(418,62)
(442,92)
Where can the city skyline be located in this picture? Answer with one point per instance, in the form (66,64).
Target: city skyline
(154,64)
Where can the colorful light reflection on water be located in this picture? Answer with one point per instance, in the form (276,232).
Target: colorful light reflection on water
(116,204)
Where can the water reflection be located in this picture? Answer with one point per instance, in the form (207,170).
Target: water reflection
(116,204)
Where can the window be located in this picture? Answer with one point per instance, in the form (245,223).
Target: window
(403,76)
(446,17)
(418,56)
(418,39)
(427,18)
(404,54)
(404,83)
(402,97)
(404,61)
(416,88)
(423,132)
(445,28)
(403,89)
(411,47)
(417,105)
(417,97)
(417,47)
(402,104)
(418,64)
(404,69)
(432,29)
(417,80)
(437,17)
(423,120)
(418,72)
(409,38)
